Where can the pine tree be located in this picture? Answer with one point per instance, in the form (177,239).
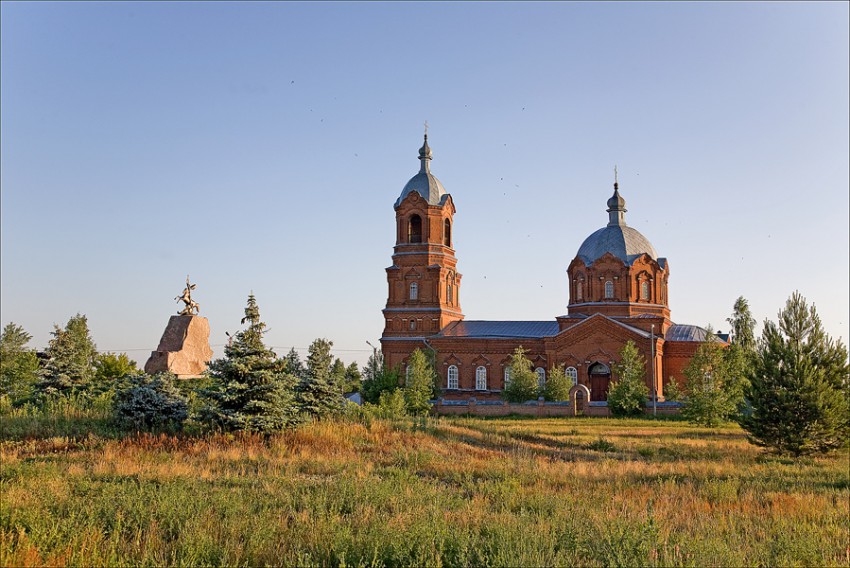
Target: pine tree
(799,385)
(743,325)
(338,375)
(420,384)
(558,386)
(712,381)
(70,359)
(627,395)
(319,395)
(18,365)
(251,389)
(294,366)
(352,378)
(523,380)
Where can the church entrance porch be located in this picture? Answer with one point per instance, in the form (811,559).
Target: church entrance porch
(600,377)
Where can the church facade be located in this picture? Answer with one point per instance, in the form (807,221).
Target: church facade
(617,292)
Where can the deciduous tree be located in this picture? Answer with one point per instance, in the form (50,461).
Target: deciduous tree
(420,384)
(713,383)
(628,393)
(558,386)
(18,365)
(523,380)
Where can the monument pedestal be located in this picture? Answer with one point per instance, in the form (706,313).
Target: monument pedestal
(184,348)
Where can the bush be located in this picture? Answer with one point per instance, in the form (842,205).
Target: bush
(150,403)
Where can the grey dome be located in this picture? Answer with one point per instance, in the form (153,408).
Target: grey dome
(625,243)
(424,183)
(619,239)
(428,186)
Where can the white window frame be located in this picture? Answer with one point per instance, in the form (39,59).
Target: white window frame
(414,291)
(508,377)
(541,377)
(644,290)
(609,289)
(481,378)
(452,377)
(572,373)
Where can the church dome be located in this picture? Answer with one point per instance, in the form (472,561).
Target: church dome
(622,241)
(424,183)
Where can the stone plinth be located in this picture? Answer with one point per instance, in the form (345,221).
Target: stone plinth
(184,348)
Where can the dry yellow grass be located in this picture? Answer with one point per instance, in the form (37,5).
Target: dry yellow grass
(457,492)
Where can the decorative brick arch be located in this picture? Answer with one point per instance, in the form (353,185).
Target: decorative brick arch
(579,396)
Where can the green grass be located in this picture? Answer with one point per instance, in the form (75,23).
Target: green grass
(453,491)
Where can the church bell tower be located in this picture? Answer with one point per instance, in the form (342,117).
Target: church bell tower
(423,282)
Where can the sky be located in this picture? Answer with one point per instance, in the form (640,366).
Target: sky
(260,147)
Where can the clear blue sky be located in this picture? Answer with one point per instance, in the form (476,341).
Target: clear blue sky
(261,147)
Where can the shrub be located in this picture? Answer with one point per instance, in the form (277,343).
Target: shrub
(150,403)
(420,384)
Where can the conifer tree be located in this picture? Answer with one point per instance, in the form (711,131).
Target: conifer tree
(294,366)
(338,374)
(558,386)
(18,365)
(70,359)
(627,395)
(352,378)
(251,389)
(319,395)
(523,380)
(799,385)
(420,384)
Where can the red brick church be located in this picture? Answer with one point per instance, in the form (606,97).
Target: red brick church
(617,292)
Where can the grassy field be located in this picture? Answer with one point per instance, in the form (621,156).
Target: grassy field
(460,491)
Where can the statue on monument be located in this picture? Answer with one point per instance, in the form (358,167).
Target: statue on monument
(185,345)
(190,304)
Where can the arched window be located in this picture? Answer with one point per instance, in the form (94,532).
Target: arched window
(412,324)
(447,233)
(644,290)
(481,378)
(541,376)
(451,377)
(580,290)
(609,289)
(507,376)
(449,292)
(414,291)
(414,229)
(572,374)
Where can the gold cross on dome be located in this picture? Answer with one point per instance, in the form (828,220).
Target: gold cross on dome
(426,128)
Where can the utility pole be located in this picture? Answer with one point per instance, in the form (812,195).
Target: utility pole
(654,387)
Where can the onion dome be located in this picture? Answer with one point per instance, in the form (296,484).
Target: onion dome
(622,241)
(424,183)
